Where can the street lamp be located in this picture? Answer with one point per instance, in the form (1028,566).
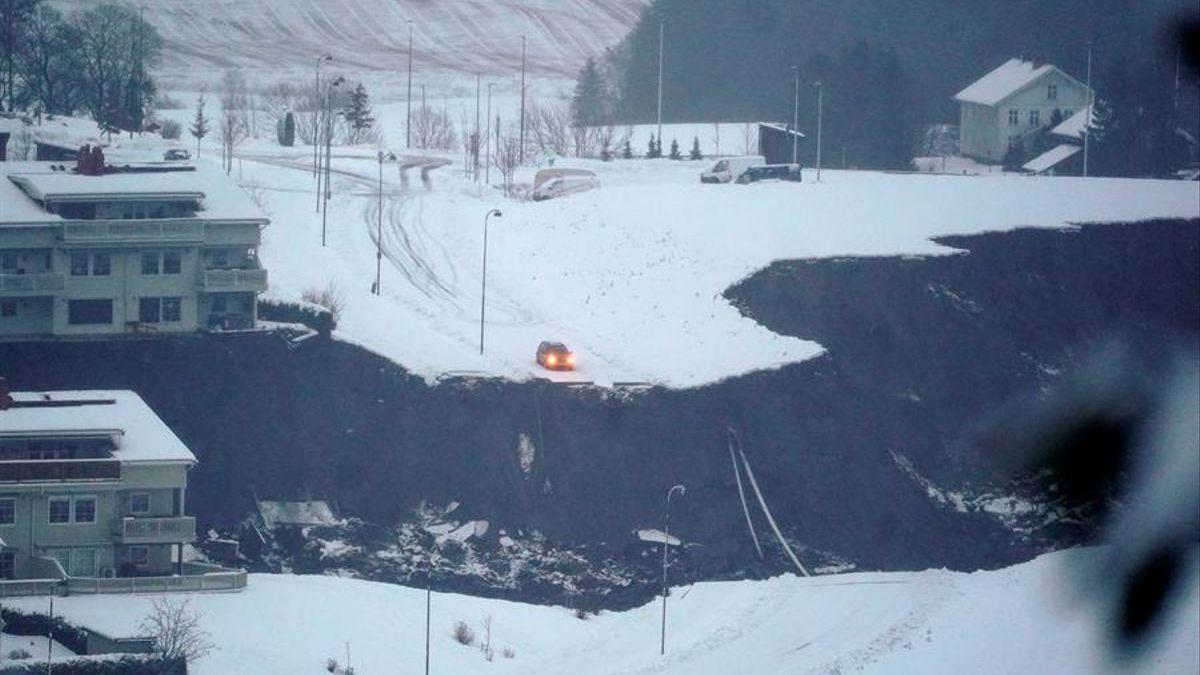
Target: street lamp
(408,97)
(521,151)
(1087,124)
(817,84)
(317,119)
(379,236)
(661,22)
(662,650)
(487,163)
(328,150)
(483,292)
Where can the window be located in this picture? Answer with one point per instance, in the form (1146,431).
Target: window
(8,307)
(101,264)
(171,309)
(219,257)
(1033,118)
(139,556)
(1052,92)
(171,262)
(89,312)
(60,510)
(148,310)
(83,562)
(218,303)
(7,560)
(139,502)
(8,511)
(9,263)
(85,509)
(150,263)
(1014,117)
(79,264)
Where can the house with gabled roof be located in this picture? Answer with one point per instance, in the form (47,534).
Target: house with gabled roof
(1014,103)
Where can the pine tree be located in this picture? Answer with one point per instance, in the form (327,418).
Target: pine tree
(654,150)
(627,152)
(289,129)
(358,114)
(696,154)
(199,127)
(675,149)
(589,101)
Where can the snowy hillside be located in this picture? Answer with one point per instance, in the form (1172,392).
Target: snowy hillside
(464,36)
(1025,619)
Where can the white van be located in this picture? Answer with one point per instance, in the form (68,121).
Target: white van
(729,169)
(551,183)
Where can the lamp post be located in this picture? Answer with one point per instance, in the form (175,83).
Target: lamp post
(820,102)
(478,140)
(1087,124)
(483,292)
(379,233)
(408,97)
(660,71)
(317,121)
(796,113)
(662,650)
(328,151)
(521,152)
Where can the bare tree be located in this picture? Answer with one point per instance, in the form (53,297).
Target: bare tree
(549,128)
(433,130)
(176,630)
(507,157)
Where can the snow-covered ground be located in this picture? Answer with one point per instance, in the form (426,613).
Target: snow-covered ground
(1024,619)
(629,276)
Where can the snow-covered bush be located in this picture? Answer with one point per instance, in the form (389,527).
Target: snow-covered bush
(463,634)
(508,653)
(171,130)
(330,297)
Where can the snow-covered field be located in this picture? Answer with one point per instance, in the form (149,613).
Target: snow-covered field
(1024,619)
(629,276)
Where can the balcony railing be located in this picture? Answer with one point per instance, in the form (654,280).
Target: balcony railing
(132,232)
(36,470)
(157,530)
(30,283)
(234,280)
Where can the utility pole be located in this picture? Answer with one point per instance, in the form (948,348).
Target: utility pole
(317,122)
(796,114)
(379,232)
(522,124)
(819,114)
(662,650)
(408,97)
(1087,121)
(487,163)
(428,606)
(660,81)
(328,151)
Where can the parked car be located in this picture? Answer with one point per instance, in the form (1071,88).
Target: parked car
(551,183)
(175,154)
(730,169)
(770,172)
(555,356)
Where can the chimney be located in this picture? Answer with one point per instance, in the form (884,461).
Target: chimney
(5,400)
(90,161)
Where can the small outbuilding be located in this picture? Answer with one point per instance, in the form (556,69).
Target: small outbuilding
(775,142)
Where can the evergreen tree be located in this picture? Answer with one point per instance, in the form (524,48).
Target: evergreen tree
(696,154)
(358,114)
(589,105)
(199,128)
(675,149)
(653,151)
(627,151)
(287,130)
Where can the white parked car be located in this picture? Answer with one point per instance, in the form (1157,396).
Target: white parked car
(730,169)
(551,183)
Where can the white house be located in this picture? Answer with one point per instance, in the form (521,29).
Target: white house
(1014,102)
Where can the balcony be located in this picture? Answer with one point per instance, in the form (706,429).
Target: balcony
(171,530)
(231,281)
(132,232)
(59,470)
(30,284)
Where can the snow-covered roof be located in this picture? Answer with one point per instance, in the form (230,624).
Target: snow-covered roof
(1073,126)
(301,514)
(24,184)
(9,125)
(781,128)
(1012,76)
(139,433)
(1047,160)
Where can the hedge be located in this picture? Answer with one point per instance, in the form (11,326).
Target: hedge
(17,622)
(125,665)
(315,317)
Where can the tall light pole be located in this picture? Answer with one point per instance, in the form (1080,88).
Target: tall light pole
(1087,122)
(662,650)
(337,82)
(660,81)
(487,163)
(796,114)
(478,140)
(317,123)
(408,97)
(483,293)
(819,114)
(522,123)
(379,233)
